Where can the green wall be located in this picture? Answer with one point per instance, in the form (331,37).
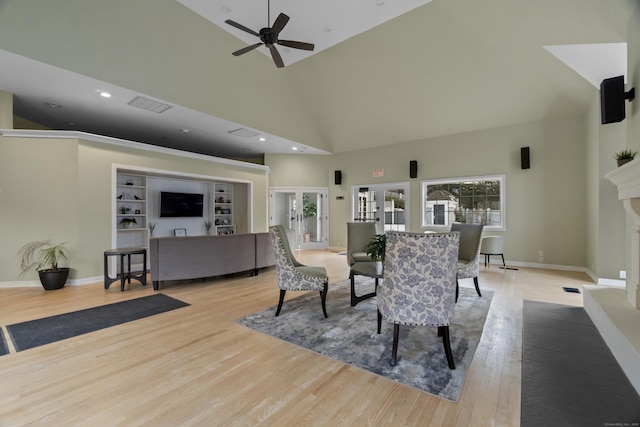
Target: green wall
(546,205)
(61,188)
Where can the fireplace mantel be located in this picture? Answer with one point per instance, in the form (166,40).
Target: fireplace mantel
(627,180)
(616,311)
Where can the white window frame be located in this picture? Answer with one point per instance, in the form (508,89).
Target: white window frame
(503,201)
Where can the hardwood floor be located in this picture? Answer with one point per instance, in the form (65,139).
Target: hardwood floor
(195,366)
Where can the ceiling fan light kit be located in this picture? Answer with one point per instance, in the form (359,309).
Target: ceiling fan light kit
(269,38)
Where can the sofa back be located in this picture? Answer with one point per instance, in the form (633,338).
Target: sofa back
(189,257)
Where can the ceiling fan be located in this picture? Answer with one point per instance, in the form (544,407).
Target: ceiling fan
(269,37)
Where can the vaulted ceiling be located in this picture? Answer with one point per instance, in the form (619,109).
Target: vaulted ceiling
(438,68)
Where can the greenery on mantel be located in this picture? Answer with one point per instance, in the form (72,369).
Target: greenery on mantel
(624,156)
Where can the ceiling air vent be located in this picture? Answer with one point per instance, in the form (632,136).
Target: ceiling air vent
(149,104)
(245,133)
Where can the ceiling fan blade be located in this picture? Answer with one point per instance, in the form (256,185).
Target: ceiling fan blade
(276,56)
(246,49)
(241,27)
(297,45)
(279,23)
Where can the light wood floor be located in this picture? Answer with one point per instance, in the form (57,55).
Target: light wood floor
(195,366)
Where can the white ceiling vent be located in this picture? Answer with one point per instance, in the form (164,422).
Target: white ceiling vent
(149,104)
(245,133)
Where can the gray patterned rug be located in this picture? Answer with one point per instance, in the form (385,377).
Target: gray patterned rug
(349,335)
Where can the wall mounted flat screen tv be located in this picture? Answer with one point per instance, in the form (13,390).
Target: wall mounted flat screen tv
(174,205)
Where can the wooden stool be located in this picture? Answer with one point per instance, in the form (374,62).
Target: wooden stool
(125,275)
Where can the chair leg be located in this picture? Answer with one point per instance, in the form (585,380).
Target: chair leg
(282,292)
(379,321)
(394,350)
(504,266)
(444,331)
(457,289)
(475,282)
(323,297)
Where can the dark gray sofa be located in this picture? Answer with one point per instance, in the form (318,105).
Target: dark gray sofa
(193,257)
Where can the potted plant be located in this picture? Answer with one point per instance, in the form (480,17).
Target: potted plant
(207,226)
(128,222)
(376,247)
(152,226)
(44,257)
(624,156)
(308,210)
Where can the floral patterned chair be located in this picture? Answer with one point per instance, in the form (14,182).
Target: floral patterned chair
(419,284)
(292,275)
(469,254)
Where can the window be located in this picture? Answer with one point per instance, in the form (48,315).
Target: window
(474,200)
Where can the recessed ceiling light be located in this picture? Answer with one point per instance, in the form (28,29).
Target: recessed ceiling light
(327,29)
(294,148)
(52,105)
(379,2)
(225,8)
(263,139)
(185,130)
(105,94)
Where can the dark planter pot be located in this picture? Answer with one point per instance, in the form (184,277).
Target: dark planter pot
(53,279)
(623,161)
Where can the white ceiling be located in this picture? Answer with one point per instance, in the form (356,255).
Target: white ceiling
(36,85)
(419,70)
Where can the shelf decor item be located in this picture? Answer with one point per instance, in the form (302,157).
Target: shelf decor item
(44,256)
(128,222)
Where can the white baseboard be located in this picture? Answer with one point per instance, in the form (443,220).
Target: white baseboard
(36,283)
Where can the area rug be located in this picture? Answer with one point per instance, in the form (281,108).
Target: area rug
(35,333)
(349,335)
(569,375)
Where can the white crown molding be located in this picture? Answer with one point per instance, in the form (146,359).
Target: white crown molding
(62,134)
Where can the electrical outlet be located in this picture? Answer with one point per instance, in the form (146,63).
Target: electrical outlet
(540,259)
(623,274)
(540,254)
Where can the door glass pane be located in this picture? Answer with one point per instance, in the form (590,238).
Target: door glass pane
(394,209)
(304,214)
(366,207)
(311,216)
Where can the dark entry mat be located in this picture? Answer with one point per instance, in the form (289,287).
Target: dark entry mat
(3,344)
(569,376)
(35,333)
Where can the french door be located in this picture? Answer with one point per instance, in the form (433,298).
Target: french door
(387,205)
(304,214)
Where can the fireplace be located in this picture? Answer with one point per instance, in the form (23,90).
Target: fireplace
(616,311)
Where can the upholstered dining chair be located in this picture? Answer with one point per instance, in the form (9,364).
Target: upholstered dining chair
(294,276)
(419,284)
(492,245)
(359,234)
(469,254)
